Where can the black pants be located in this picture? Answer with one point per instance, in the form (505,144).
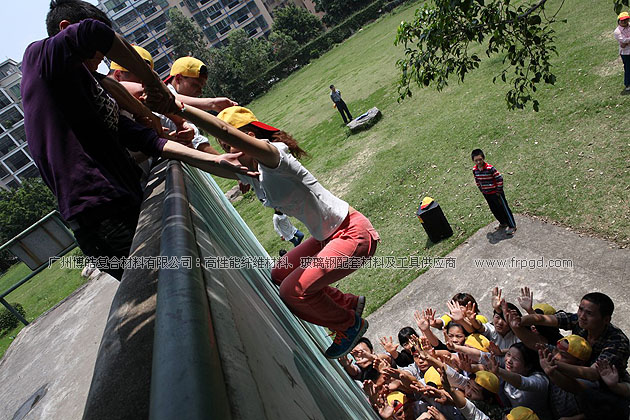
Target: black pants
(626,70)
(499,207)
(343,110)
(109,237)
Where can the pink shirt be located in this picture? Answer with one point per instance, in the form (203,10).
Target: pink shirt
(622,35)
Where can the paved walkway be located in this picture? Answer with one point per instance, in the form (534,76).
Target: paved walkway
(597,265)
(55,355)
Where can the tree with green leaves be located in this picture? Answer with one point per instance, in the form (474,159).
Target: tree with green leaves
(440,43)
(187,38)
(241,61)
(20,208)
(297,22)
(338,10)
(282,45)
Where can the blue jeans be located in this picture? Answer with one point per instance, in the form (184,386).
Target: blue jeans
(297,238)
(626,70)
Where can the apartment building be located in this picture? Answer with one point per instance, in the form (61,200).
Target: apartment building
(16,163)
(143,22)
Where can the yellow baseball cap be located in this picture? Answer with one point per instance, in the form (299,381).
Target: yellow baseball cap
(478,341)
(447,319)
(146,56)
(546,308)
(487,380)
(522,413)
(396,399)
(432,375)
(576,346)
(239,116)
(623,16)
(187,67)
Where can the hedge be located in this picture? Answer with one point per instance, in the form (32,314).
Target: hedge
(318,46)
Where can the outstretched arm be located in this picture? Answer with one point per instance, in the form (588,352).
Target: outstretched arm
(260,150)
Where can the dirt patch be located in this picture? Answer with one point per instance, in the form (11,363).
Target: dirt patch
(609,69)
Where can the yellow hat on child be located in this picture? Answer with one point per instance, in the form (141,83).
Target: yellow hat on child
(432,375)
(487,380)
(522,413)
(576,346)
(478,341)
(146,56)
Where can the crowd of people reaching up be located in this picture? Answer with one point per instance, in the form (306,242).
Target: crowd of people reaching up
(517,366)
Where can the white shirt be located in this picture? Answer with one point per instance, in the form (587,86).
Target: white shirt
(622,35)
(284,227)
(533,393)
(293,190)
(502,341)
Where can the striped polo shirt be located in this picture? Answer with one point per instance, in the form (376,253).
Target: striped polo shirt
(488,179)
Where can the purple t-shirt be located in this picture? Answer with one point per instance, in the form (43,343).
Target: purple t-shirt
(73,129)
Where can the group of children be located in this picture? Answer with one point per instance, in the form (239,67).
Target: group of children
(517,365)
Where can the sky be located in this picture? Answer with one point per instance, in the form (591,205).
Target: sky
(22,22)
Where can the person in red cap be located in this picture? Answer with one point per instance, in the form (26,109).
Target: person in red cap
(341,237)
(622,35)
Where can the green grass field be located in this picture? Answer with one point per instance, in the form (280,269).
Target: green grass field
(39,294)
(568,163)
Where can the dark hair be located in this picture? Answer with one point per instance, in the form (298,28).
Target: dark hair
(455,324)
(605,304)
(276,211)
(332,86)
(282,252)
(530,357)
(551,334)
(73,11)
(366,341)
(277,136)
(464,298)
(512,307)
(488,395)
(477,152)
(404,334)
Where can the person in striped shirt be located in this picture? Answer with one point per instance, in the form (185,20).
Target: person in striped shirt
(490,183)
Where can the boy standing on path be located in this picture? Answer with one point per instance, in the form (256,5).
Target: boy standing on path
(490,183)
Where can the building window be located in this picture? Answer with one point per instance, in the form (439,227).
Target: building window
(6,145)
(127,18)
(241,15)
(222,26)
(13,184)
(162,65)
(166,41)
(15,91)
(139,35)
(9,117)
(158,24)
(146,9)
(17,161)
(3,172)
(30,172)
(19,135)
(115,5)
(4,99)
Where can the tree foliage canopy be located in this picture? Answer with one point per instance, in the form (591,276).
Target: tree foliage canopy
(187,38)
(337,10)
(297,22)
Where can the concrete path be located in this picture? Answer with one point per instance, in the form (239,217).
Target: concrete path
(54,356)
(596,265)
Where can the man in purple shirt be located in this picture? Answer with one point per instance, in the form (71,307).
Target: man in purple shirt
(77,137)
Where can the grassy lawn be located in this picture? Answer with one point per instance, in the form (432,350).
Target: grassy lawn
(568,163)
(40,293)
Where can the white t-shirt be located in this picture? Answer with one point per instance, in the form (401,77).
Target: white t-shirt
(502,341)
(293,190)
(283,226)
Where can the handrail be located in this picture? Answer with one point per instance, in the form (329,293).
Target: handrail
(187,376)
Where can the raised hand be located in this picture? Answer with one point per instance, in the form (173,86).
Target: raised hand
(379,364)
(513,318)
(456,310)
(470,311)
(494,349)
(421,321)
(493,365)
(389,345)
(429,314)
(608,372)
(496,299)
(526,299)
(435,413)
(547,363)
(385,410)
(464,362)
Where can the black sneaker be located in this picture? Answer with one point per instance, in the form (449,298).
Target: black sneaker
(346,340)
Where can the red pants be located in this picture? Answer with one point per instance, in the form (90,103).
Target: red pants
(305,289)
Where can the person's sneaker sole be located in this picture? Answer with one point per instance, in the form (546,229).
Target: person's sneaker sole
(360,306)
(362,330)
